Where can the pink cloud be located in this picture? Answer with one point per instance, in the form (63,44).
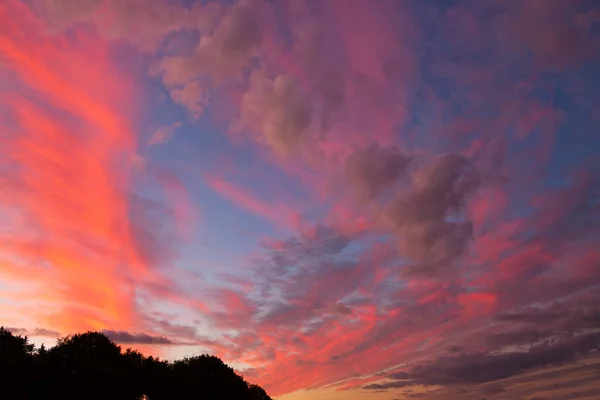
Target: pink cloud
(142,23)
(72,157)
(566,43)
(279,214)
(48,151)
(163,134)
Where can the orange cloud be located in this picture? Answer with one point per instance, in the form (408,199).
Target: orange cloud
(65,185)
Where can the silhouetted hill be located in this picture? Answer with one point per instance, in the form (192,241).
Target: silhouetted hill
(91,366)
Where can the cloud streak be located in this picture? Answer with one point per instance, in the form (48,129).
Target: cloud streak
(53,165)
(123,337)
(70,163)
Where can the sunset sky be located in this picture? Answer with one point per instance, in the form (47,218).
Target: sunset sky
(343,199)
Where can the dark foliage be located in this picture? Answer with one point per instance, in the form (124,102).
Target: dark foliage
(91,366)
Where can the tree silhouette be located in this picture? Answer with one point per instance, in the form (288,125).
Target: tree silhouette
(91,366)
(258,393)
(16,359)
(14,346)
(215,378)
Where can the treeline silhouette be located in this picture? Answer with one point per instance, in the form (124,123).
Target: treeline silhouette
(91,366)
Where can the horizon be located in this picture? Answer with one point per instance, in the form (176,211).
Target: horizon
(369,199)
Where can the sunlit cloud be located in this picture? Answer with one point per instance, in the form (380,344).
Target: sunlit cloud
(358,199)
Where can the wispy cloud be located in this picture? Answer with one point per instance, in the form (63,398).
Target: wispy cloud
(429,167)
(123,337)
(34,332)
(163,134)
(69,166)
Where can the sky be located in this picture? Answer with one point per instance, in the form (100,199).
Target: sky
(353,199)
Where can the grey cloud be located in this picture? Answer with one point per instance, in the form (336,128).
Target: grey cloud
(17,331)
(477,368)
(518,337)
(135,338)
(154,245)
(373,170)
(277,109)
(232,43)
(144,23)
(400,375)
(252,372)
(45,332)
(34,332)
(317,244)
(308,277)
(531,315)
(173,329)
(455,349)
(430,219)
(388,385)
(555,33)
(223,53)
(61,13)
(192,96)
(309,44)
(492,389)
(311,48)
(283,314)
(331,87)
(342,308)
(568,315)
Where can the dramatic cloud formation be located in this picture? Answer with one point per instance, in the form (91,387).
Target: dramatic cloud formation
(343,199)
